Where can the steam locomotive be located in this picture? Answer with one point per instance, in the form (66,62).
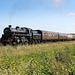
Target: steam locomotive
(20,35)
(23,35)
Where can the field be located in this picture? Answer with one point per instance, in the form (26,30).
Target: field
(56,58)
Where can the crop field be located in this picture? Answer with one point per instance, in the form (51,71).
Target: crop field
(56,58)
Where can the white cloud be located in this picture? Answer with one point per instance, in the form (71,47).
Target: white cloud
(73,24)
(70,14)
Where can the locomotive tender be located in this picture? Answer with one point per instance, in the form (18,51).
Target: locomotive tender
(23,35)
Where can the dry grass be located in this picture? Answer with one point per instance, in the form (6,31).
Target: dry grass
(20,50)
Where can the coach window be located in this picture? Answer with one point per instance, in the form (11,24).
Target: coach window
(53,35)
(46,34)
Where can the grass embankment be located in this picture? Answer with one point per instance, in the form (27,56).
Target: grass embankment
(40,59)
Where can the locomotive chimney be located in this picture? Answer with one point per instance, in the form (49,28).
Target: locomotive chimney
(9,26)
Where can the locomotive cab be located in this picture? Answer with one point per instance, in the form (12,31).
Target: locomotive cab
(37,36)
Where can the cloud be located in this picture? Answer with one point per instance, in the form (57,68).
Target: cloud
(73,24)
(70,14)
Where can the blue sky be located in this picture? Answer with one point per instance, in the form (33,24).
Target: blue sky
(51,15)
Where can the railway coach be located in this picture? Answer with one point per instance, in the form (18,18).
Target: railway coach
(62,37)
(49,36)
(71,36)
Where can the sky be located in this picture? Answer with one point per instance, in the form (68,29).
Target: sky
(49,15)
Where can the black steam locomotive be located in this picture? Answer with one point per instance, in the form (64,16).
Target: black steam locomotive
(19,35)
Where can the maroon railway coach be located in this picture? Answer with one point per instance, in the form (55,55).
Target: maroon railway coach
(49,36)
(62,37)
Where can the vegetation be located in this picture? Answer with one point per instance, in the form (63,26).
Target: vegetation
(41,59)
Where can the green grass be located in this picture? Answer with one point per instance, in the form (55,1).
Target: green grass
(41,59)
